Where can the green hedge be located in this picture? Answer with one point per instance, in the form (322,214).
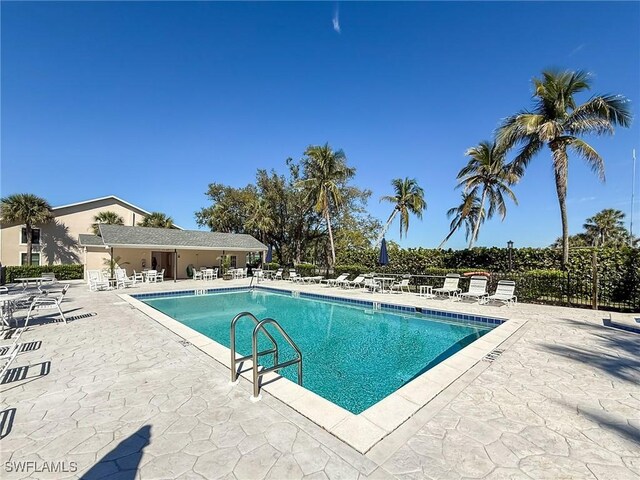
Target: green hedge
(306,269)
(271,266)
(62,272)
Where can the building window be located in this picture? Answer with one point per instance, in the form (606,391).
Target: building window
(35,258)
(35,236)
(234,261)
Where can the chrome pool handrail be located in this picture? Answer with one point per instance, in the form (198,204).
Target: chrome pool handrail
(254,354)
(276,366)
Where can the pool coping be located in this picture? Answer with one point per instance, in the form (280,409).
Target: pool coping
(368,428)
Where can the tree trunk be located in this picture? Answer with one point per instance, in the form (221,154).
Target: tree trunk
(560,170)
(476,227)
(453,230)
(29,232)
(333,251)
(388,224)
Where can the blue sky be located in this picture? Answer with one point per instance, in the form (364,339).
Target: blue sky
(153,101)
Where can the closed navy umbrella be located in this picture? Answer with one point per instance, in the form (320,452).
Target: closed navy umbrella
(269,258)
(384,257)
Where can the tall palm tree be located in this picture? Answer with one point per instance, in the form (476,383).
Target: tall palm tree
(607,228)
(557,121)
(108,218)
(28,209)
(325,172)
(408,198)
(467,213)
(487,172)
(157,220)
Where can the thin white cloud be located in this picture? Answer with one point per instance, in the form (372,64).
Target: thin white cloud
(580,200)
(577,49)
(336,19)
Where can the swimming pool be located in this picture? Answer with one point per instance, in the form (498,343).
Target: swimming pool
(354,355)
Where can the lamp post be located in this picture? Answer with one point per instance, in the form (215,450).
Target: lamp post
(510,247)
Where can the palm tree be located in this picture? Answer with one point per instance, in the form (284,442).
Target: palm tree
(157,220)
(325,172)
(107,218)
(607,228)
(467,214)
(260,220)
(487,171)
(557,121)
(408,198)
(28,209)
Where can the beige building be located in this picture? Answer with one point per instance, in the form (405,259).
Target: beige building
(69,239)
(57,242)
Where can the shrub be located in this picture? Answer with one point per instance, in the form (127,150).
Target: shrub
(271,266)
(306,269)
(352,270)
(62,272)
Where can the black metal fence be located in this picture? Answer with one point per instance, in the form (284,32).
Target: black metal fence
(560,288)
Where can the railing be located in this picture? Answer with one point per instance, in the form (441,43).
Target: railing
(232,338)
(276,366)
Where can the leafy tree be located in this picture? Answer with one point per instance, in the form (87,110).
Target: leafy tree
(157,220)
(325,171)
(28,209)
(230,209)
(408,198)
(468,213)
(487,172)
(108,218)
(558,122)
(578,240)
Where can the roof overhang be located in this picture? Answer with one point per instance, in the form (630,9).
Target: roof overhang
(180,247)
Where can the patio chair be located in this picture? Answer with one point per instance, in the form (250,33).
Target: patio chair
(197,274)
(151,276)
(372,284)
(8,353)
(477,289)
(278,275)
(160,276)
(400,286)
(450,286)
(504,293)
(97,281)
(44,303)
(334,281)
(356,282)
(122,279)
(314,279)
(137,277)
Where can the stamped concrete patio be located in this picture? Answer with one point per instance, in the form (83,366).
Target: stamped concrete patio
(116,395)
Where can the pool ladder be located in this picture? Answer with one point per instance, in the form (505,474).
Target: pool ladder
(255,354)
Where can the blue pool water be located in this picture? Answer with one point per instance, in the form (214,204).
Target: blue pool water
(352,356)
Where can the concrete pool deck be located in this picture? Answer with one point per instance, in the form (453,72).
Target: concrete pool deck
(123,397)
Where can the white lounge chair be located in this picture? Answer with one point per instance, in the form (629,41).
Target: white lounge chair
(278,275)
(314,279)
(450,286)
(477,289)
(47,303)
(294,277)
(356,282)
(505,292)
(8,353)
(400,286)
(331,282)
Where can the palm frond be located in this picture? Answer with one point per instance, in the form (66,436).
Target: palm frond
(589,154)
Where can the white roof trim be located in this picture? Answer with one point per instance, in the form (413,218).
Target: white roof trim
(101,198)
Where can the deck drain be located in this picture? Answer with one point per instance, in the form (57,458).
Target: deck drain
(185,343)
(82,315)
(491,356)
